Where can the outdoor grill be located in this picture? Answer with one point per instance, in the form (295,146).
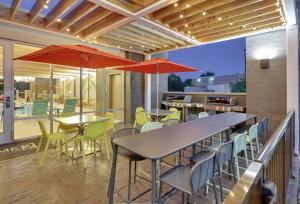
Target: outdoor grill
(222,104)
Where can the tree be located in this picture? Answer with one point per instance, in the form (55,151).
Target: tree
(208,73)
(175,83)
(238,86)
(188,83)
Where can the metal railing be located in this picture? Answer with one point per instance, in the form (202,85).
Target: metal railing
(274,163)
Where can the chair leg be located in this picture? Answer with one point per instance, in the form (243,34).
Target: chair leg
(237,166)
(83,154)
(220,180)
(251,149)
(246,156)
(183,198)
(39,147)
(215,191)
(106,146)
(129,182)
(66,149)
(233,170)
(135,169)
(257,145)
(45,152)
(159,192)
(94,146)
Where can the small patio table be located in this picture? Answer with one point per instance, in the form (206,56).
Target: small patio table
(157,144)
(158,113)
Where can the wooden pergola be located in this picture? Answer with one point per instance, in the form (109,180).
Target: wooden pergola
(149,26)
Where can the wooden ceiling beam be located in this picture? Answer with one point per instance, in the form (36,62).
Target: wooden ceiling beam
(214,23)
(241,22)
(215,12)
(116,43)
(171,9)
(14,8)
(232,16)
(96,15)
(81,10)
(102,25)
(147,34)
(251,27)
(243,32)
(35,11)
(195,10)
(133,41)
(57,11)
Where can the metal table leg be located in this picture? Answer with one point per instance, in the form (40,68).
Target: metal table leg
(113,176)
(153,194)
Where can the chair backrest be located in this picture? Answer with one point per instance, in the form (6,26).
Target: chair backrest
(94,130)
(224,153)
(40,107)
(175,115)
(43,129)
(110,123)
(202,114)
(240,142)
(139,109)
(173,109)
(265,125)
(171,122)
(70,105)
(253,132)
(151,126)
(140,118)
(123,132)
(190,117)
(202,172)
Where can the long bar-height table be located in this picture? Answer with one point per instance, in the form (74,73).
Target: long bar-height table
(157,144)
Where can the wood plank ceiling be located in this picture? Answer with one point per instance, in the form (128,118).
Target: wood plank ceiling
(148,26)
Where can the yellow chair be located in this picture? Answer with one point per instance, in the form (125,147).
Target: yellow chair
(110,123)
(92,132)
(57,137)
(67,128)
(175,115)
(140,117)
(173,109)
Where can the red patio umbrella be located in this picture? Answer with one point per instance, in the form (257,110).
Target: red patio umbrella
(76,56)
(157,66)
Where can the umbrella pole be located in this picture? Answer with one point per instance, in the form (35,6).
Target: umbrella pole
(157,84)
(80,92)
(51,99)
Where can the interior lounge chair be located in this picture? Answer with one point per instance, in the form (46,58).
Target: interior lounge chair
(39,107)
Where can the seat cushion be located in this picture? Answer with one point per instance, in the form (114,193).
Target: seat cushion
(200,156)
(178,177)
(129,155)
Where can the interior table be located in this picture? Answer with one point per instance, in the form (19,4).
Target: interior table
(157,144)
(158,113)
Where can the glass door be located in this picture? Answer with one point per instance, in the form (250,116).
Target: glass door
(6,92)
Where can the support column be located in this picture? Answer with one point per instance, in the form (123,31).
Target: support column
(293,77)
(147,88)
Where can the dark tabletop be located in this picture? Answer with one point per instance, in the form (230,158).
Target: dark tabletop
(162,142)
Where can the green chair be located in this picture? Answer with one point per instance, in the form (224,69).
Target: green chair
(140,117)
(57,137)
(240,146)
(253,135)
(175,115)
(39,107)
(92,132)
(70,105)
(110,123)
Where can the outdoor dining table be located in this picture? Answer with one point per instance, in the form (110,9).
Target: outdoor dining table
(157,144)
(158,113)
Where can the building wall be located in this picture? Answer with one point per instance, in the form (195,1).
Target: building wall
(266,88)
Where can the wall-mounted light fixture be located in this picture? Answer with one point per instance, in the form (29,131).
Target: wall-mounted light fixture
(264,63)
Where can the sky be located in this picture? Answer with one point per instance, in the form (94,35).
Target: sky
(222,58)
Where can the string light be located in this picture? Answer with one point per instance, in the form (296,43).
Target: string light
(189,32)
(77,36)
(186,25)
(68,29)
(254,28)
(58,20)
(219,19)
(180,16)
(188,6)
(244,26)
(230,23)
(46,5)
(175,5)
(203,13)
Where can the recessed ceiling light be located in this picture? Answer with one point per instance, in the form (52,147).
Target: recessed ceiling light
(142,46)
(219,18)
(203,13)
(189,32)
(130,47)
(68,29)
(230,23)
(180,16)
(188,6)
(186,25)
(58,20)
(244,26)
(77,36)
(175,4)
